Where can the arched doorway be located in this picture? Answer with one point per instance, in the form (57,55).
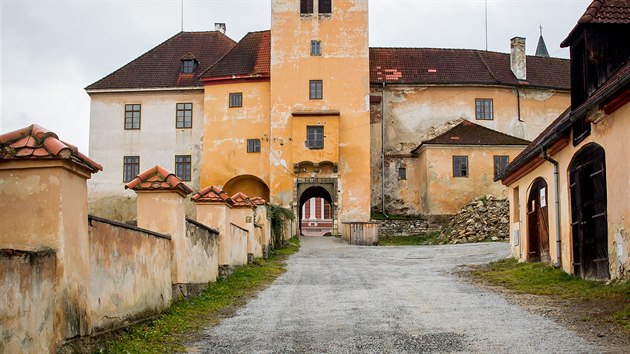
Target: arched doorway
(538,222)
(316,210)
(589,226)
(249,185)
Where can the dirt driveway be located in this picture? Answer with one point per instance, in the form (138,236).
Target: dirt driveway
(336,298)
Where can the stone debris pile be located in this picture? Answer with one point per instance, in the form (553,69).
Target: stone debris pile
(484,219)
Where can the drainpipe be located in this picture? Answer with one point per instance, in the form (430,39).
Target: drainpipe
(556,184)
(518,103)
(383,152)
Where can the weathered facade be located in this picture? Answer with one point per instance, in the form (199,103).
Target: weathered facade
(568,189)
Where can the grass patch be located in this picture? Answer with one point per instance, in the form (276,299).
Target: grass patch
(179,322)
(429,238)
(541,279)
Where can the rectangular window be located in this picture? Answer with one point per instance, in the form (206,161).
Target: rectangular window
(483,108)
(188,66)
(306,6)
(402,173)
(316,48)
(460,166)
(184,115)
(236,99)
(325,6)
(182,167)
(581,130)
(131,167)
(315,137)
(253,145)
(315,90)
(132,116)
(500,163)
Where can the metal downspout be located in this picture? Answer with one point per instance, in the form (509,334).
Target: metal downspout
(556,184)
(518,103)
(383,152)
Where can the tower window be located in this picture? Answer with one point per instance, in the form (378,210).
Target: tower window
(316,48)
(315,137)
(325,6)
(402,173)
(315,90)
(306,6)
(236,99)
(253,145)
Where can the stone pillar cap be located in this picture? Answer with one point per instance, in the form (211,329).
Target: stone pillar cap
(158,178)
(212,194)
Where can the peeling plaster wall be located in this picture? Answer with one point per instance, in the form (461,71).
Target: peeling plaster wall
(156,142)
(415,113)
(244,218)
(217,216)
(27,290)
(201,254)
(238,246)
(445,194)
(344,69)
(226,132)
(611,133)
(130,275)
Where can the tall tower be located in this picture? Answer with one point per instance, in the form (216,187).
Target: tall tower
(320,120)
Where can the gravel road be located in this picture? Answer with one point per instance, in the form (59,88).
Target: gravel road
(336,298)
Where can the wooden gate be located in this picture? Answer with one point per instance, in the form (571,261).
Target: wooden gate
(589,224)
(538,222)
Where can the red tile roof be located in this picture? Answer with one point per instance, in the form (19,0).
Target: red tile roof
(559,127)
(615,12)
(469,133)
(258,201)
(158,178)
(212,194)
(250,58)
(242,201)
(160,67)
(440,66)
(35,142)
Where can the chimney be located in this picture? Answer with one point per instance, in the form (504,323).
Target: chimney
(220,27)
(517,58)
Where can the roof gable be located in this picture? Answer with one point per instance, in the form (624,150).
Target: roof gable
(615,12)
(439,66)
(212,194)
(160,67)
(242,201)
(35,142)
(469,133)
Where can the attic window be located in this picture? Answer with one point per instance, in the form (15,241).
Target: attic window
(189,65)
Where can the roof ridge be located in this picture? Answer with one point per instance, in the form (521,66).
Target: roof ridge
(488,67)
(467,50)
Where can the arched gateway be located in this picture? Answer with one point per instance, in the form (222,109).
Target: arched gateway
(313,195)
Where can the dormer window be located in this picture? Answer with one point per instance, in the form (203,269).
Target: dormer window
(188,66)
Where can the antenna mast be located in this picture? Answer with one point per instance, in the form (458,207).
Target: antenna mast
(182,15)
(486,13)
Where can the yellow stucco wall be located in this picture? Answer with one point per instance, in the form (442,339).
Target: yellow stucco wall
(442,193)
(611,133)
(226,131)
(343,67)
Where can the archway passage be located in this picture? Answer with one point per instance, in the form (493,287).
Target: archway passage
(538,222)
(589,226)
(249,185)
(315,212)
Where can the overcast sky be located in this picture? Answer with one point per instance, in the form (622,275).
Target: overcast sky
(51,49)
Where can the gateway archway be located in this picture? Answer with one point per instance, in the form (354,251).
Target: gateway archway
(538,222)
(316,209)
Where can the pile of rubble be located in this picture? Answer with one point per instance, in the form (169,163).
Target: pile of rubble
(484,219)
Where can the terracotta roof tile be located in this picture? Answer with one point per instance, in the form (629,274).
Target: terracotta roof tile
(242,201)
(36,142)
(463,66)
(469,133)
(158,178)
(250,58)
(160,67)
(615,12)
(258,201)
(212,194)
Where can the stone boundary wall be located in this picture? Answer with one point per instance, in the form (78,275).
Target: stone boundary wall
(130,274)
(410,227)
(202,265)
(27,309)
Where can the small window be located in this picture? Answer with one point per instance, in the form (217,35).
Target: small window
(315,89)
(306,6)
(460,166)
(188,66)
(236,99)
(581,130)
(182,167)
(325,6)
(500,163)
(402,173)
(483,109)
(253,145)
(316,48)
(131,167)
(184,115)
(132,116)
(315,137)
